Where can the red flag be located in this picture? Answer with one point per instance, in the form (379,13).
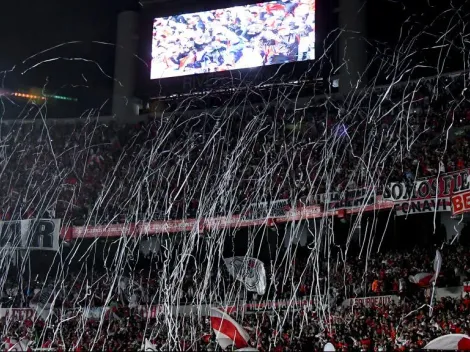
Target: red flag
(228,331)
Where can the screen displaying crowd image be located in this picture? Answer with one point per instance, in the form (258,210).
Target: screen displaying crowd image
(234,38)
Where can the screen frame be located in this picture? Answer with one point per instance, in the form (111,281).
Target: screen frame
(148,88)
(240,48)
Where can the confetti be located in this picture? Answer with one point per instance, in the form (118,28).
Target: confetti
(130,236)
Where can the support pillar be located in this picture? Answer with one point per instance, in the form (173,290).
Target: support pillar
(352,56)
(124,102)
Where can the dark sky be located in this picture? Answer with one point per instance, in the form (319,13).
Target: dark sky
(27,27)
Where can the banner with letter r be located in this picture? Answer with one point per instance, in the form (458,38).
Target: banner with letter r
(35,234)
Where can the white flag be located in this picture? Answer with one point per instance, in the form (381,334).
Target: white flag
(248,270)
(12,345)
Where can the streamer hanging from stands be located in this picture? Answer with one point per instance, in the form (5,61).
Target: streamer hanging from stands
(125,234)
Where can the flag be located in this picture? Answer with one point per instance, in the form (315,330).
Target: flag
(329,347)
(227,331)
(437,265)
(450,342)
(12,345)
(248,270)
(421,279)
(149,347)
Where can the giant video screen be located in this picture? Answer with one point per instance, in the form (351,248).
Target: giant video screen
(239,37)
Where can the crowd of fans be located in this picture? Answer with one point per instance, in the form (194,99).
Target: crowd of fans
(405,325)
(181,164)
(398,326)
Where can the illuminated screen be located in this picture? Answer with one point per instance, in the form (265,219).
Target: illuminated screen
(235,38)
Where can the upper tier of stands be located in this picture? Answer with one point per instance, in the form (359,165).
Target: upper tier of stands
(199,163)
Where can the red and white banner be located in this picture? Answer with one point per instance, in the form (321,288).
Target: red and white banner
(370,301)
(427,195)
(201,225)
(227,331)
(461,203)
(451,342)
(422,279)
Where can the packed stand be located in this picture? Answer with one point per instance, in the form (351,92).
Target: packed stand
(182,165)
(206,282)
(401,326)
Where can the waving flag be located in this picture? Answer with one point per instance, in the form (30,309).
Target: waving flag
(421,279)
(248,270)
(12,345)
(453,342)
(227,331)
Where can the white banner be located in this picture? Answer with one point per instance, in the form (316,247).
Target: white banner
(262,210)
(370,301)
(17,314)
(400,191)
(152,312)
(422,206)
(452,292)
(32,234)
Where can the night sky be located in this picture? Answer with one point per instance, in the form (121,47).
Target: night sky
(29,27)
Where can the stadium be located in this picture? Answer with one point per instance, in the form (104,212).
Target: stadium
(270,178)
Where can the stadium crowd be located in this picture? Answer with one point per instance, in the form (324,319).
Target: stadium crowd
(210,163)
(176,164)
(396,326)
(383,273)
(401,326)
